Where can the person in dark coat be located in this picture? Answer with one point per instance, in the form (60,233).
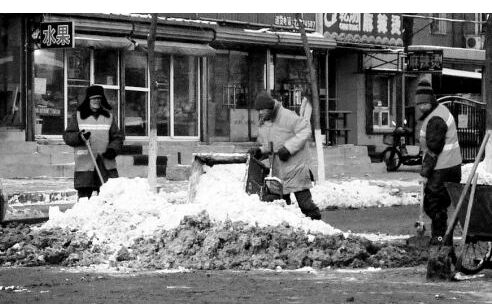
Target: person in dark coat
(441,157)
(289,134)
(93,121)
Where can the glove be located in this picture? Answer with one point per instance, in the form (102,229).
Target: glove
(255,152)
(84,135)
(283,154)
(109,154)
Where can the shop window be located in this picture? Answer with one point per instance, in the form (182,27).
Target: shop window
(106,67)
(291,80)
(229,104)
(185,96)
(380,91)
(136,113)
(49,92)
(162,67)
(78,77)
(136,94)
(11,107)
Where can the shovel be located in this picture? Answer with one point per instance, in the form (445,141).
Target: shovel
(88,145)
(420,240)
(273,184)
(441,258)
(420,225)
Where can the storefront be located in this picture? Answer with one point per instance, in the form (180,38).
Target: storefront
(249,60)
(366,86)
(208,73)
(120,65)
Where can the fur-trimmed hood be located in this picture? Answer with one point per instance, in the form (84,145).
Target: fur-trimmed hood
(84,108)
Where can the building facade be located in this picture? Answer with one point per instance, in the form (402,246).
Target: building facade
(211,66)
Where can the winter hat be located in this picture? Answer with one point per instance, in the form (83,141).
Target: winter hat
(424,93)
(96,90)
(264,101)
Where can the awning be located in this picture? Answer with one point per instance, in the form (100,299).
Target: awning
(102,42)
(181,48)
(268,38)
(461,73)
(166,47)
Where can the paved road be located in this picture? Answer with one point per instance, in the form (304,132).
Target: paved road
(406,285)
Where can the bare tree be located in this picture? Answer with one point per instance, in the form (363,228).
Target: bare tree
(153,146)
(315,98)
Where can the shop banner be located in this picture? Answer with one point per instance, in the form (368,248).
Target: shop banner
(364,28)
(57,35)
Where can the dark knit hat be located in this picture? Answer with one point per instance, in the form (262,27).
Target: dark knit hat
(264,101)
(424,93)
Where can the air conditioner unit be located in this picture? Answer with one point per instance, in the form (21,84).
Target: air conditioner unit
(474,42)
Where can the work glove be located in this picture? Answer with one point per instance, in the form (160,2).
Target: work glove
(283,154)
(255,152)
(109,154)
(84,135)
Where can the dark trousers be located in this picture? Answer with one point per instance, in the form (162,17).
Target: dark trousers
(86,192)
(437,200)
(305,201)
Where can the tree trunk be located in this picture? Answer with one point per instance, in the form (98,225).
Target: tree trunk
(153,147)
(488,90)
(315,100)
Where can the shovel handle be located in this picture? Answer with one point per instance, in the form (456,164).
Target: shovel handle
(88,145)
(465,189)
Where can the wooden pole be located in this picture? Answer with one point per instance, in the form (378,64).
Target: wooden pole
(315,97)
(153,147)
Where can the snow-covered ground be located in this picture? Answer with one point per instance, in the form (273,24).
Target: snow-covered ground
(126,208)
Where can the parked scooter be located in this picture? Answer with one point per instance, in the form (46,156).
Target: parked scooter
(397,154)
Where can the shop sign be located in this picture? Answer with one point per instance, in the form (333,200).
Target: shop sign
(424,61)
(57,35)
(364,28)
(289,20)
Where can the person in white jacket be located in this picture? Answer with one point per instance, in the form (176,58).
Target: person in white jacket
(289,134)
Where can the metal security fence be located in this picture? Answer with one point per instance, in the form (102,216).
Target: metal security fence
(470,117)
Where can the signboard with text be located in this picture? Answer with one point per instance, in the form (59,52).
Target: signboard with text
(289,20)
(424,61)
(57,35)
(364,28)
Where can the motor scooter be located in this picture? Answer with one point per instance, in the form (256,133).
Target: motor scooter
(397,154)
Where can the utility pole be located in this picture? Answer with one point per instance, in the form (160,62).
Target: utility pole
(153,147)
(315,97)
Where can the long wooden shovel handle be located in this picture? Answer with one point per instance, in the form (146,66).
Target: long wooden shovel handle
(88,144)
(468,214)
(451,225)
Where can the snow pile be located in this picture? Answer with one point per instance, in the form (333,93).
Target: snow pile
(126,209)
(484,177)
(359,194)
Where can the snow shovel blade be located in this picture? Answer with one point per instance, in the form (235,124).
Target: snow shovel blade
(274,185)
(440,263)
